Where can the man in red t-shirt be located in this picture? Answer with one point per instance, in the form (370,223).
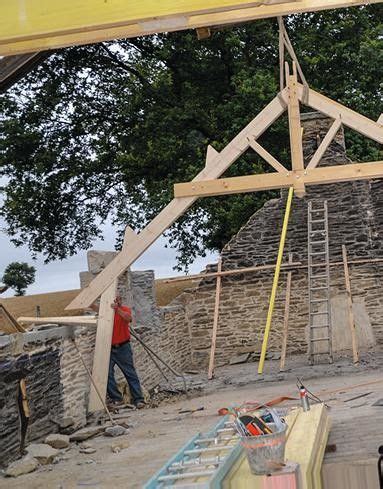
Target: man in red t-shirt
(121,355)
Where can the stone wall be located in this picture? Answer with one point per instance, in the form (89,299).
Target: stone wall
(355,219)
(158,327)
(55,381)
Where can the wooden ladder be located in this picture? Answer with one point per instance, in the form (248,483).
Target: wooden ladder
(320,330)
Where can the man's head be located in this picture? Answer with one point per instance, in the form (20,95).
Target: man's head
(118,300)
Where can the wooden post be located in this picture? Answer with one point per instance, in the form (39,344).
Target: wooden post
(215,321)
(296,148)
(286,316)
(101,356)
(351,320)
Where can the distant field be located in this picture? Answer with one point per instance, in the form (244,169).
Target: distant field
(54,303)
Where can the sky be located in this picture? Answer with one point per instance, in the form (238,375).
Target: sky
(64,275)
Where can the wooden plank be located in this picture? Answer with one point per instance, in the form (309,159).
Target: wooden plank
(178,206)
(234,185)
(13,68)
(349,117)
(58,320)
(351,319)
(267,157)
(102,349)
(295,129)
(8,323)
(313,428)
(215,321)
(235,271)
(286,316)
(28,27)
(268,181)
(332,132)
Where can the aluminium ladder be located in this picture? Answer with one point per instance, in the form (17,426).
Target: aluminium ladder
(320,330)
(203,462)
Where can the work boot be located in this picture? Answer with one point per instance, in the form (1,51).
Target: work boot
(140,405)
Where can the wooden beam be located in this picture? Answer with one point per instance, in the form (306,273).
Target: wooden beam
(267,157)
(12,68)
(349,117)
(295,129)
(102,349)
(350,312)
(226,273)
(286,316)
(268,181)
(210,374)
(33,25)
(59,320)
(177,207)
(332,132)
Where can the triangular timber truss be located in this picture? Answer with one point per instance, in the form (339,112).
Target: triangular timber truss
(207,183)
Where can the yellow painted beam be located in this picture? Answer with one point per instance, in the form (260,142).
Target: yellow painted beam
(35,25)
(276,279)
(268,181)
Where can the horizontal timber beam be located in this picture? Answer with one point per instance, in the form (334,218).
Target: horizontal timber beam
(269,181)
(35,25)
(58,320)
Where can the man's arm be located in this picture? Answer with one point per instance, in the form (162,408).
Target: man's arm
(124,314)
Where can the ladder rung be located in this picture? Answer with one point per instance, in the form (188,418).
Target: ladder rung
(319,300)
(216,448)
(317,313)
(214,440)
(317,253)
(190,475)
(320,339)
(319,327)
(194,463)
(318,242)
(316,231)
(319,288)
(314,221)
(313,277)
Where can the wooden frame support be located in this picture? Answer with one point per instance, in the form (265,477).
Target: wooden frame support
(215,321)
(269,181)
(103,346)
(296,146)
(327,140)
(177,206)
(34,25)
(286,317)
(350,312)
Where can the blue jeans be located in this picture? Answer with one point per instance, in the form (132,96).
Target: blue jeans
(123,357)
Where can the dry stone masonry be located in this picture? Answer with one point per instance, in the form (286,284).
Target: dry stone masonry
(355,219)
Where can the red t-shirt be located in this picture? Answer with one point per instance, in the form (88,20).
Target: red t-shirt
(121,331)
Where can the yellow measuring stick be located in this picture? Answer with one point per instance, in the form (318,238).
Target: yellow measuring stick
(275,281)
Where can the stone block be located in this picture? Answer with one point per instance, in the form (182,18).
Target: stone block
(24,466)
(98,260)
(57,441)
(42,452)
(85,433)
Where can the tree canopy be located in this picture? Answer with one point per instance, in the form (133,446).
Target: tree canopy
(18,276)
(103,132)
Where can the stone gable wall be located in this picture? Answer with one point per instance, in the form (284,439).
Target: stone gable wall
(355,219)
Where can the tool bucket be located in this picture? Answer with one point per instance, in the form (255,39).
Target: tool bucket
(265,452)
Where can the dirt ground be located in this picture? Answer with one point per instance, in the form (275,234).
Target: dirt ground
(158,433)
